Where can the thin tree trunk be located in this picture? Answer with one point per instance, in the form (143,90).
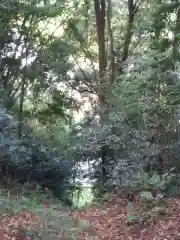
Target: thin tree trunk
(175,53)
(111,39)
(21,106)
(100,6)
(132,10)
(100,12)
(86,23)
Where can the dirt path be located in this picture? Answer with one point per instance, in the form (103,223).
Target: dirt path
(112,224)
(107,224)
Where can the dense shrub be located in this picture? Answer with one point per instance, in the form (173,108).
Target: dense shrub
(29,160)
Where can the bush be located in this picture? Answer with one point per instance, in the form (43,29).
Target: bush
(154,183)
(30,160)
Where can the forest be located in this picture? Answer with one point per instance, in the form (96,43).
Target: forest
(89,119)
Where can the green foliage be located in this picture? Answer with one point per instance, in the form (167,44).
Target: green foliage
(154,181)
(82,197)
(133,219)
(147,196)
(132,216)
(33,201)
(44,165)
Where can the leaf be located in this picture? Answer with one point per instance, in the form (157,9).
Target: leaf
(146,196)
(133,218)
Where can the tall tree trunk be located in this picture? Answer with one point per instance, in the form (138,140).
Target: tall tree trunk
(86,22)
(103,84)
(132,10)
(22,95)
(21,108)
(175,53)
(111,40)
(100,13)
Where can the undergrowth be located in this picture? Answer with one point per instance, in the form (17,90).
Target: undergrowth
(42,217)
(53,218)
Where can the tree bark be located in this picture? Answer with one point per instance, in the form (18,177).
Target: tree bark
(103,83)
(132,10)
(22,95)
(111,40)
(100,13)
(175,53)
(100,7)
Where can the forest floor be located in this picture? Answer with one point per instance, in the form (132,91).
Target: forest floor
(107,222)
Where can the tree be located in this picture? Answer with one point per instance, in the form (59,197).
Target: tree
(32,66)
(106,80)
(135,110)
